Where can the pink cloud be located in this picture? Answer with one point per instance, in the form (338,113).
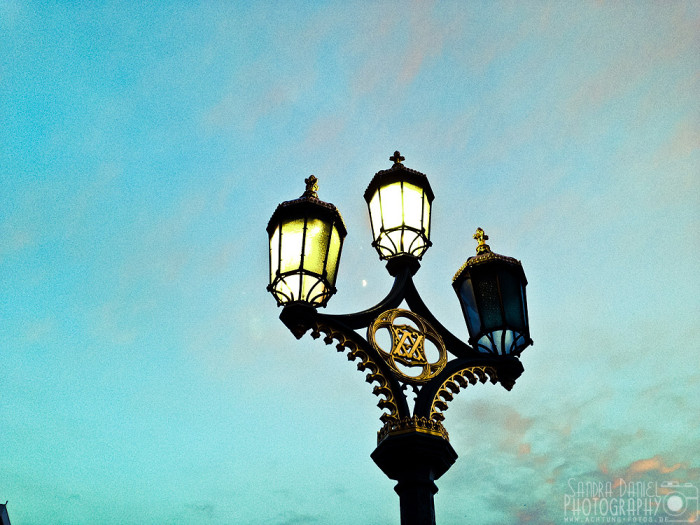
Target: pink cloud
(382,63)
(655,463)
(323,130)
(642,466)
(426,41)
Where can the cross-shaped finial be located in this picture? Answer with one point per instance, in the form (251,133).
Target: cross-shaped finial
(311,187)
(397,158)
(481,237)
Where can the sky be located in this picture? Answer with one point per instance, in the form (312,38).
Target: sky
(146,377)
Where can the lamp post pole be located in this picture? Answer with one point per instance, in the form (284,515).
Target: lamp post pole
(423,360)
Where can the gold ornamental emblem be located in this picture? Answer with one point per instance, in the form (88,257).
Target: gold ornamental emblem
(408,345)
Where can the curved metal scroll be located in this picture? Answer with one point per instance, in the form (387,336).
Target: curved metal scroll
(387,388)
(454,383)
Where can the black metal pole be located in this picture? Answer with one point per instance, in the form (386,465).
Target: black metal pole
(415,460)
(416,500)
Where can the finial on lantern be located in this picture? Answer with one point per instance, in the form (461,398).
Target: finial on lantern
(397,158)
(482,247)
(311,187)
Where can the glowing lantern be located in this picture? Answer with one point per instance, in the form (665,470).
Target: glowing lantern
(399,201)
(306,238)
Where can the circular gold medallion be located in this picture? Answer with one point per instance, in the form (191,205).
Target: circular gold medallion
(407,353)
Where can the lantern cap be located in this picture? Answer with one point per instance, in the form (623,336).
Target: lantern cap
(485,255)
(308,199)
(399,172)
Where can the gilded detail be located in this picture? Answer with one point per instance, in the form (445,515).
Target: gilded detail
(408,345)
(311,187)
(481,238)
(412,424)
(480,259)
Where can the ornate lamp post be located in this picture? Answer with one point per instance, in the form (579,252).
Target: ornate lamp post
(406,353)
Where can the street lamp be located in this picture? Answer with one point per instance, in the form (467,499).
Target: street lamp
(491,289)
(399,202)
(420,359)
(306,237)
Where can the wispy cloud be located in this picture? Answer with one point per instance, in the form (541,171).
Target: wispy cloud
(296,518)
(201,510)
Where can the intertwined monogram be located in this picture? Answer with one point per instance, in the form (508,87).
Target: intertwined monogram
(408,345)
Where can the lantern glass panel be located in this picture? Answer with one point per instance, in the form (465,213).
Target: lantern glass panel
(426,215)
(507,339)
(274,253)
(288,287)
(392,243)
(501,342)
(292,244)
(375,215)
(488,298)
(466,293)
(412,205)
(333,255)
(316,245)
(511,291)
(414,243)
(313,289)
(391,206)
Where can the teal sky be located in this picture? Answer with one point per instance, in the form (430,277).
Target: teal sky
(145,375)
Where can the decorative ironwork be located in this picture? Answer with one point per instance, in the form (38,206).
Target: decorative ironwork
(311,187)
(454,383)
(481,237)
(482,258)
(408,345)
(397,158)
(383,389)
(412,424)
